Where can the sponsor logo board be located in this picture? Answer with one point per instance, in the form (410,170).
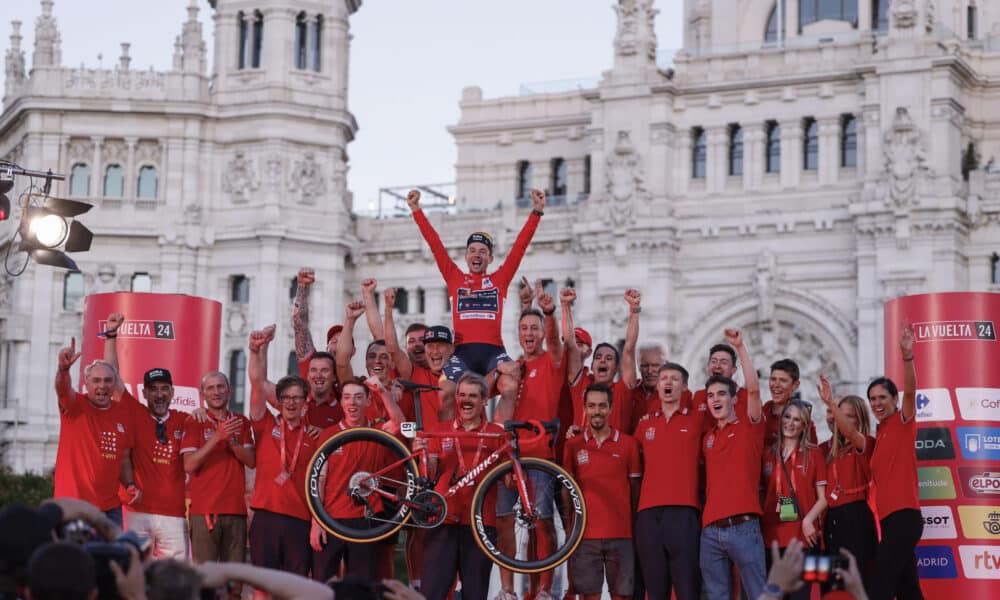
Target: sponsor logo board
(939,523)
(952,331)
(936,562)
(980,522)
(980,482)
(934,443)
(935,483)
(979,443)
(979,562)
(979,404)
(934,404)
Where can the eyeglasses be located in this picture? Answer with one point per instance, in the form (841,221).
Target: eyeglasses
(161,433)
(292,398)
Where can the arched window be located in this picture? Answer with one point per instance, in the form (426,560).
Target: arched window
(586,174)
(301,35)
(237,379)
(421,301)
(880,15)
(146,186)
(79,180)
(971,21)
(557,185)
(114,181)
(251,39)
(771,31)
(735,150)
(293,364)
(848,141)
(810,145)
(316,37)
(994,269)
(73,291)
(141,282)
(773,148)
(811,11)
(240,289)
(293,288)
(523,179)
(402,303)
(698,153)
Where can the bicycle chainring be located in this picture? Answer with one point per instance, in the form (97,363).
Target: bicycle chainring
(433,509)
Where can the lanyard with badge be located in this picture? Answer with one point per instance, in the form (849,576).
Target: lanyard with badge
(788,506)
(455,476)
(837,489)
(286,469)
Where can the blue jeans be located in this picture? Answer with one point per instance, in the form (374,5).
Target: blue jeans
(115,514)
(721,548)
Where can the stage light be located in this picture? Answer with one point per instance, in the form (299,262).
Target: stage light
(49,230)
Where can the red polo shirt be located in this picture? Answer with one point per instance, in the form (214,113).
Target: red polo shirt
(158,467)
(699,403)
(538,398)
(622,400)
(807,470)
(849,475)
(218,486)
(732,469)
(894,465)
(671,449)
(457,456)
(342,464)
(772,426)
(92,444)
(322,415)
(430,401)
(603,470)
(268,494)
(652,402)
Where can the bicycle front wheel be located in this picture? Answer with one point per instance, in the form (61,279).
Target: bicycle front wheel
(532,536)
(358,483)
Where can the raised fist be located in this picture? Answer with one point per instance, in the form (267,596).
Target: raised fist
(115,321)
(413,200)
(261,338)
(633,297)
(546,302)
(567,295)
(368,285)
(355,310)
(538,200)
(306,277)
(734,337)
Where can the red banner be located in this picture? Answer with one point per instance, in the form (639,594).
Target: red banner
(957,358)
(171,331)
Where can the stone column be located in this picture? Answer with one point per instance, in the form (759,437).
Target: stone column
(791,152)
(131,179)
(829,150)
(865,15)
(97,172)
(682,164)
(716,165)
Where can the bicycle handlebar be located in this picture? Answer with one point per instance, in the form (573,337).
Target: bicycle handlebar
(540,429)
(413,386)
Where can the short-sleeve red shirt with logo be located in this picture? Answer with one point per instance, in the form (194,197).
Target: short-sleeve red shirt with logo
(807,470)
(604,470)
(671,451)
(733,456)
(430,402)
(342,464)
(218,487)
(538,398)
(288,498)
(894,465)
(92,444)
(323,415)
(699,402)
(849,474)
(451,468)
(158,467)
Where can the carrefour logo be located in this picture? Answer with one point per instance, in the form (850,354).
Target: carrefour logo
(980,443)
(934,404)
(979,404)
(936,562)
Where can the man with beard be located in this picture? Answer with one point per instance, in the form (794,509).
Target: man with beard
(216,453)
(543,376)
(605,462)
(668,524)
(733,448)
(413,337)
(783,382)
(304,348)
(279,532)
(604,366)
(450,549)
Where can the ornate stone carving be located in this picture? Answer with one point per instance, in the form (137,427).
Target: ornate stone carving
(15,58)
(240,178)
(236,320)
(80,150)
(636,28)
(307,179)
(626,184)
(614,310)
(148,152)
(905,154)
(904,14)
(6,292)
(16,153)
(764,280)
(273,169)
(192,214)
(114,152)
(47,40)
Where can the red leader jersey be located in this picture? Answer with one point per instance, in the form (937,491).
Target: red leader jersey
(92,444)
(457,456)
(604,470)
(477,300)
(699,402)
(732,469)
(849,474)
(538,398)
(622,399)
(158,467)
(772,426)
(671,452)
(807,470)
(894,466)
(218,487)
(343,463)
(287,498)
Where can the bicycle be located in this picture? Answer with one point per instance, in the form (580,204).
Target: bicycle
(389,487)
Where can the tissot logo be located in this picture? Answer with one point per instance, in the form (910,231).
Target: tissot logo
(934,404)
(936,562)
(934,443)
(939,524)
(160,330)
(978,482)
(940,331)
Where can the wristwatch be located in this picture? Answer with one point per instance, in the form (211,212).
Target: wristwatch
(773,590)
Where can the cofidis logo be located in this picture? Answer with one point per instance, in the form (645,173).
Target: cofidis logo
(934,404)
(979,443)
(936,562)
(979,404)
(979,562)
(936,483)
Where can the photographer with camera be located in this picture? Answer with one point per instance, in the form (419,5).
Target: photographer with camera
(788,573)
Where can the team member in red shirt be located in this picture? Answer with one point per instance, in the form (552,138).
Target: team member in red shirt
(304,348)
(783,383)
(384,405)
(668,524)
(450,550)
(647,400)
(216,453)
(721,361)
(794,486)
(605,462)
(279,532)
(539,390)
(96,432)
(894,470)
(849,521)
(413,337)
(604,367)
(733,450)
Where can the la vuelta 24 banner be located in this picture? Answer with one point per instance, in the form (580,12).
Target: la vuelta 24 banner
(172,331)
(958,436)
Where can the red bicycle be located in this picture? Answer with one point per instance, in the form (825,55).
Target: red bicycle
(388,486)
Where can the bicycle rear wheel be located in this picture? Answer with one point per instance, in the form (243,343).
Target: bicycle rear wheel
(529,552)
(369,475)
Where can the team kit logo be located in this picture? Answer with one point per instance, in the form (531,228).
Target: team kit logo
(934,404)
(934,443)
(979,404)
(979,443)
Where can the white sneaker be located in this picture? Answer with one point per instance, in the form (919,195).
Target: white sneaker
(505,595)
(543,595)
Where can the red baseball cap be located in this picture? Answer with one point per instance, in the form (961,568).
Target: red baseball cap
(581,335)
(333,331)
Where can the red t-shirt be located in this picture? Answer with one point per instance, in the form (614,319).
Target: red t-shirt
(604,470)
(732,469)
(772,426)
(807,470)
(538,398)
(671,451)
(218,487)
(92,444)
(622,399)
(456,457)
(477,300)
(849,475)
(268,494)
(699,402)
(430,401)
(158,467)
(322,415)
(894,465)
(342,464)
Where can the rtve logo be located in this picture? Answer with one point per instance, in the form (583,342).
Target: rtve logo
(980,562)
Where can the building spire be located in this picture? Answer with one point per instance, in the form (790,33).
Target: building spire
(635,38)
(15,57)
(48,42)
(189,49)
